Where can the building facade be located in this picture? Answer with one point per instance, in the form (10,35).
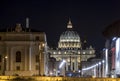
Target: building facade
(70,53)
(112,49)
(23,52)
(112,57)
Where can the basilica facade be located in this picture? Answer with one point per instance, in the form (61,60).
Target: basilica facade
(69,54)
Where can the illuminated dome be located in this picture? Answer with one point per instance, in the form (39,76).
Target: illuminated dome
(69,39)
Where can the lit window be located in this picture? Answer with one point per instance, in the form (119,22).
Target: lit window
(65,52)
(83,52)
(90,52)
(68,60)
(18,56)
(78,60)
(59,52)
(78,52)
(53,52)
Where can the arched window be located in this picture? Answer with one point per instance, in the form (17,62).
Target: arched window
(18,56)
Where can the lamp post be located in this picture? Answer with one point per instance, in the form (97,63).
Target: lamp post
(99,69)
(95,71)
(4,61)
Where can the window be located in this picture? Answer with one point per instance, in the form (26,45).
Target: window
(37,58)
(17,67)
(18,56)
(37,38)
(0,67)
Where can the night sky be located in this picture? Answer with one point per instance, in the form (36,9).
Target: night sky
(89,17)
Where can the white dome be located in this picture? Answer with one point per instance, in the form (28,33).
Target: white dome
(69,39)
(69,36)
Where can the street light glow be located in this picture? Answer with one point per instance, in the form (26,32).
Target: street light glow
(114,38)
(99,63)
(90,67)
(103,61)
(62,63)
(6,57)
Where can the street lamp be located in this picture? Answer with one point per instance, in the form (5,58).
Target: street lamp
(4,61)
(103,68)
(99,69)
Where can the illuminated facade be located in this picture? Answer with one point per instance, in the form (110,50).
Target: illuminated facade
(114,62)
(112,57)
(112,49)
(23,52)
(117,57)
(70,53)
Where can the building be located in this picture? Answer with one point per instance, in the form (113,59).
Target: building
(23,52)
(112,49)
(70,53)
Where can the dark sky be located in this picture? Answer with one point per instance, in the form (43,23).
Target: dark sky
(89,17)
